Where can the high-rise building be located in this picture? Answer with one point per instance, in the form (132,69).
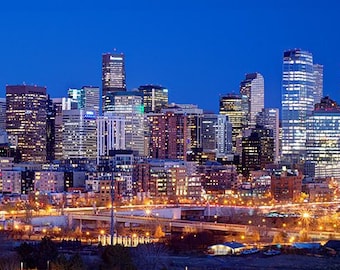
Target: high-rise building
(323,139)
(223,136)
(155,97)
(2,115)
(50,130)
(194,116)
(168,135)
(318,83)
(236,108)
(123,162)
(113,76)
(209,127)
(87,98)
(110,135)
(297,102)
(129,105)
(60,105)
(253,87)
(79,134)
(26,120)
(269,118)
(257,150)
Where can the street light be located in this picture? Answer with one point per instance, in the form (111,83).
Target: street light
(148,212)
(112,221)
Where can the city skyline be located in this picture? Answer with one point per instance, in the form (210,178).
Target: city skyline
(207,48)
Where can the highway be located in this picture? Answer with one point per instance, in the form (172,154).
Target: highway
(200,225)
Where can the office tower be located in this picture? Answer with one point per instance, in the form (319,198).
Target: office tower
(269,118)
(87,98)
(79,134)
(2,115)
(155,97)
(257,150)
(253,87)
(236,108)
(123,162)
(323,139)
(194,116)
(110,134)
(58,128)
(216,135)
(129,105)
(318,83)
(209,127)
(113,76)
(59,105)
(26,120)
(223,136)
(50,130)
(297,102)
(168,135)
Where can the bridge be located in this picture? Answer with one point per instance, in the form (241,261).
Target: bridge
(200,225)
(169,223)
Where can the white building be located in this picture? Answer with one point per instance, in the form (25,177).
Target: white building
(79,134)
(110,134)
(129,105)
(253,87)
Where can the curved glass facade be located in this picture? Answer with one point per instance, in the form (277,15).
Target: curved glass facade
(297,102)
(323,143)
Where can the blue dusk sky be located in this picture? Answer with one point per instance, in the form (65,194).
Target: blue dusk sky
(198,49)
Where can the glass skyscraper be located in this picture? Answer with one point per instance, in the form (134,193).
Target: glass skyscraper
(297,102)
(113,76)
(155,97)
(236,108)
(323,139)
(318,81)
(253,87)
(26,120)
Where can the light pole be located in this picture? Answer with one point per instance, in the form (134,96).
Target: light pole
(112,210)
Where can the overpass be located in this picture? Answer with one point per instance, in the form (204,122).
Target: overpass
(169,223)
(201,225)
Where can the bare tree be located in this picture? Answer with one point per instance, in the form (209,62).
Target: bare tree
(151,257)
(9,262)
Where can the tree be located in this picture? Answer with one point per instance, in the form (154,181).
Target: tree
(73,263)
(26,254)
(117,257)
(149,256)
(76,263)
(303,236)
(61,263)
(45,252)
(279,237)
(9,262)
(159,232)
(256,236)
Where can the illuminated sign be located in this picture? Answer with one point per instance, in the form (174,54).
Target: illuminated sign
(116,58)
(90,115)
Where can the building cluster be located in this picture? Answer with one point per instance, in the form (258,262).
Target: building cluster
(134,145)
